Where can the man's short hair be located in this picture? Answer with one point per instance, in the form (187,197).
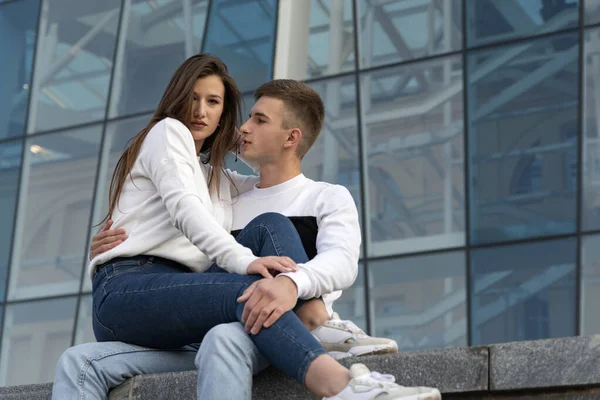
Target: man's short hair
(303,108)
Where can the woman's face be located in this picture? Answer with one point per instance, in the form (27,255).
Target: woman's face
(207,107)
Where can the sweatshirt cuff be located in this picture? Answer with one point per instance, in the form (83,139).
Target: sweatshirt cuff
(302,281)
(241,267)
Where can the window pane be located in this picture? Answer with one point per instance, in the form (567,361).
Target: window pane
(84,332)
(591,127)
(35,335)
(351,305)
(500,20)
(10,164)
(523,132)
(118,133)
(246,48)
(316,38)
(156,37)
(73,63)
(420,301)
(18,26)
(401,30)
(592,11)
(413,118)
(59,172)
(523,292)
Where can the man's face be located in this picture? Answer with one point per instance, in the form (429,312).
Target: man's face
(263,133)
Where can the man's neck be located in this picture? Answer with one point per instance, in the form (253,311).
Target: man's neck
(277,173)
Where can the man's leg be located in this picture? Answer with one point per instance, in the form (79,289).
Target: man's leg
(90,370)
(226,361)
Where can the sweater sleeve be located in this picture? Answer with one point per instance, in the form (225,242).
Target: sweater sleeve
(167,156)
(335,266)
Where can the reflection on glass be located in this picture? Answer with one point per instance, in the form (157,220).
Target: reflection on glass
(351,305)
(316,37)
(35,335)
(18,25)
(420,301)
(523,134)
(59,171)
(76,45)
(592,11)
(413,125)
(590,216)
(399,30)
(84,332)
(499,20)
(10,163)
(523,292)
(334,157)
(155,38)
(246,48)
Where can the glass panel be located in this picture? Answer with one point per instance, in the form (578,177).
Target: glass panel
(590,284)
(84,332)
(156,37)
(59,172)
(523,292)
(413,119)
(500,20)
(35,335)
(523,132)
(399,30)
(18,26)
(117,135)
(247,49)
(420,301)
(317,38)
(10,164)
(591,127)
(73,63)
(334,157)
(351,305)
(592,11)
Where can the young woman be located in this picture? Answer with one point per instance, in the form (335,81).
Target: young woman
(170,193)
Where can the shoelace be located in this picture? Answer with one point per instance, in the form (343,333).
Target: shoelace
(349,326)
(385,381)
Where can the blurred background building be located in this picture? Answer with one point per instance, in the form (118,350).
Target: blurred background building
(468,132)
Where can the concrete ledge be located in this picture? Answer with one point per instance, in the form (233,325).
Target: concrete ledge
(565,368)
(573,361)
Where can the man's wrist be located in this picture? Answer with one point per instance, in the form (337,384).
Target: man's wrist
(289,282)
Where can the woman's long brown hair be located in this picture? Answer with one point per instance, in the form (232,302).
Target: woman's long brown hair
(176,102)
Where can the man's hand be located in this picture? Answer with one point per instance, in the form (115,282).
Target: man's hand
(266,301)
(106,239)
(271,266)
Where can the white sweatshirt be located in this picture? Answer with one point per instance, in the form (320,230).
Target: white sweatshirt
(326,218)
(167,211)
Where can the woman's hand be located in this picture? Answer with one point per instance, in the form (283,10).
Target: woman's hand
(271,266)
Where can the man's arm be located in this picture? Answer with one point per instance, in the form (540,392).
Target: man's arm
(335,266)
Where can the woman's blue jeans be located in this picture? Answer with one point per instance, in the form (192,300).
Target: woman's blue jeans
(152,302)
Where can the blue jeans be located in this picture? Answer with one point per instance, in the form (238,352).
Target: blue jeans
(154,304)
(226,361)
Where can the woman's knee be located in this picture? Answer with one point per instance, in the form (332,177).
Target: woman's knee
(272,218)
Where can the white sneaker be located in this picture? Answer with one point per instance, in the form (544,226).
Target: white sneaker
(367,385)
(342,338)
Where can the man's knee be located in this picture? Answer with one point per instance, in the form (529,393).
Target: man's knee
(225,341)
(77,356)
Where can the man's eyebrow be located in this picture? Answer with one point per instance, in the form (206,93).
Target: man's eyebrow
(259,114)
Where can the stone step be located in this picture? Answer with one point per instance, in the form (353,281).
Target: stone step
(565,368)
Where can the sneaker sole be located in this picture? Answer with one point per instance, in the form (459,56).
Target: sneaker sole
(433,395)
(364,351)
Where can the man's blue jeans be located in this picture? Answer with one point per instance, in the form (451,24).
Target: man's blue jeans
(140,301)
(225,362)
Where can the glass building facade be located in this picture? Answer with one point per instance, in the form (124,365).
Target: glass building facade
(468,132)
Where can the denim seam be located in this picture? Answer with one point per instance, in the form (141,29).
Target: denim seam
(275,243)
(90,360)
(180,285)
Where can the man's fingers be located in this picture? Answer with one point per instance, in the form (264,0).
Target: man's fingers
(255,313)
(277,312)
(247,293)
(262,316)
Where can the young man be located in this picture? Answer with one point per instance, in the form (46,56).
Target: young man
(284,123)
